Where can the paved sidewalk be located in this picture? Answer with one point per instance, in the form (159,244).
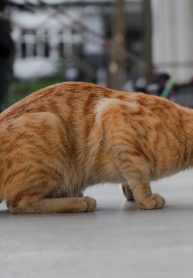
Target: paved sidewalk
(115,241)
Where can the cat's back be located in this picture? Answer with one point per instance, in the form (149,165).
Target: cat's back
(58,97)
(72,100)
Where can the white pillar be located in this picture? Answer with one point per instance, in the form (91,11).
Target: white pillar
(29,40)
(93,37)
(172,37)
(40,39)
(53,42)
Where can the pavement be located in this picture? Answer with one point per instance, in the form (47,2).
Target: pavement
(117,240)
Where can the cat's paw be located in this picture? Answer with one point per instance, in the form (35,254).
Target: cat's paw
(155,201)
(90,202)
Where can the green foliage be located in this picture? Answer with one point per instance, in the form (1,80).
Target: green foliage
(20,89)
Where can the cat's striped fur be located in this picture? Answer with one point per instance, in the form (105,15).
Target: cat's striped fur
(59,140)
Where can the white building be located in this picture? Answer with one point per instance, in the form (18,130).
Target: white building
(51,33)
(173,37)
(41,39)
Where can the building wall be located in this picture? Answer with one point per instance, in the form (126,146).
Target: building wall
(173,37)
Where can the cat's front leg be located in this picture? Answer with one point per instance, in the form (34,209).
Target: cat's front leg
(139,182)
(146,200)
(122,136)
(127,192)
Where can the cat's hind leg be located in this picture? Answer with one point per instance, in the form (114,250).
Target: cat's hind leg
(36,204)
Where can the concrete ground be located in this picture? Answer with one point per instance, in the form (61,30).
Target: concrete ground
(117,240)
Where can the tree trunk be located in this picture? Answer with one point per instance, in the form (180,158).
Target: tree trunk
(117,68)
(6,59)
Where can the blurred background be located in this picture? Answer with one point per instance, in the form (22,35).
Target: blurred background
(132,45)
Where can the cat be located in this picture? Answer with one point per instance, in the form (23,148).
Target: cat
(61,139)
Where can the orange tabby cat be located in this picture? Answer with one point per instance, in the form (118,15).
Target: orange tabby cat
(61,139)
